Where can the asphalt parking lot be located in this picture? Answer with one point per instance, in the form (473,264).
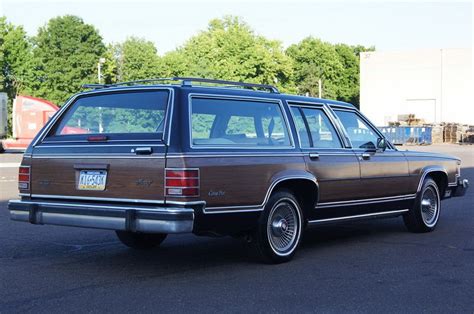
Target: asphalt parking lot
(372,266)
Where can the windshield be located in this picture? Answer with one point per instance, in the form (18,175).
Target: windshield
(116,113)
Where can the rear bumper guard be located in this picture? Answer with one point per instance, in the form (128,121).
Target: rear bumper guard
(131,218)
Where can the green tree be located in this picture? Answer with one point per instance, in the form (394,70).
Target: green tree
(349,56)
(349,84)
(66,54)
(229,49)
(136,59)
(15,61)
(316,60)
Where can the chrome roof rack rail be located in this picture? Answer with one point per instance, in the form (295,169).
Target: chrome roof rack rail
(187,81)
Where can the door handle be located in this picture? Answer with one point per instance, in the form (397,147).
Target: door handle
(143,151)
(313,155)
(365,156)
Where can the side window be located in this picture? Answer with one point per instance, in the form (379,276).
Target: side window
(315,129)
(202,124)
(321,130)
(241,126)
(360,133)
(228,122)
(301,127)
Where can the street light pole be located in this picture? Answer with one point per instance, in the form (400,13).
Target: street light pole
(99,66)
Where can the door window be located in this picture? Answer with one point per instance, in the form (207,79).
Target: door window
(359,132)
(315,129)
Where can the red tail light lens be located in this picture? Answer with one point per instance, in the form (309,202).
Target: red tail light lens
(24,177)
(181,182)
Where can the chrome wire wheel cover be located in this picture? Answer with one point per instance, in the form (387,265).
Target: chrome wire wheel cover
(283,227)
(430,206)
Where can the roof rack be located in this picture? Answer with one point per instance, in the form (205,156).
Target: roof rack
(187,81)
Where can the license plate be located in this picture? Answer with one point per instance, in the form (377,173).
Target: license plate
(92,180)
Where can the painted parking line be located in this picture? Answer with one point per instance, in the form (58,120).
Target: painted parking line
(9,165)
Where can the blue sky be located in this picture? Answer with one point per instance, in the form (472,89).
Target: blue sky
(386,25)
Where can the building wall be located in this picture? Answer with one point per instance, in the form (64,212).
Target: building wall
(435,85)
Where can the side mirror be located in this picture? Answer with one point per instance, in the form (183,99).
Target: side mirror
(382,144)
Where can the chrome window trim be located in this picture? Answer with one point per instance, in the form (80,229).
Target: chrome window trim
(320,106)
(73,98)
(243,154)
(157,141)
(45,145)
(242,98)
(339,127)
(300,154)
(98,156)
(316,221)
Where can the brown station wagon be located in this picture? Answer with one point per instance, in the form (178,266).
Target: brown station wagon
(156,157)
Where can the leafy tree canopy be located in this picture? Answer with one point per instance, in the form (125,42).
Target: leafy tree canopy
(15,57)
(66,54)
(15,61)
(229,49)
(136,59)
(316,60)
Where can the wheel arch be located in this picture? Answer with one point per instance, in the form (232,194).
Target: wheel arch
(304,187)
(438,174)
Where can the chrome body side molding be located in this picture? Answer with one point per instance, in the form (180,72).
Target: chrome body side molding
(260,207)
(366,201)
(355,217)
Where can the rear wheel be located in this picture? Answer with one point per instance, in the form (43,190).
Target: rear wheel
(141,241)
(279,229)
(424,216)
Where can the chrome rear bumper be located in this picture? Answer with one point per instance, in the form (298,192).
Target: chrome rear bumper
(104,216)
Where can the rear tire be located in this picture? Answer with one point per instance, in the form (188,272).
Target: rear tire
(279,229)
(424,215)
(140,241)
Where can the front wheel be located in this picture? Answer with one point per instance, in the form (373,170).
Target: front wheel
(424,216)
(279,229)
(141,241)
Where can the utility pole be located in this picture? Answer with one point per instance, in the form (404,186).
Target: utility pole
(99,66)
(319,88)
(99,77)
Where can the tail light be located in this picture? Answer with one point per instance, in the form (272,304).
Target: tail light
(181,182)
(24,177)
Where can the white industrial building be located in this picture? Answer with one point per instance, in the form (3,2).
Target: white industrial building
(434,84)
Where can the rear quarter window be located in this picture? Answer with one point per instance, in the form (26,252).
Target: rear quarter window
(237,123)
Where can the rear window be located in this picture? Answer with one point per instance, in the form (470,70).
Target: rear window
(237,123)
(115,113)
